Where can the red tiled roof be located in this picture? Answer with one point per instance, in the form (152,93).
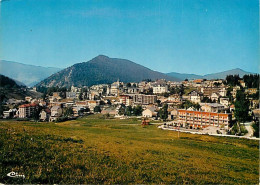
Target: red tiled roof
(203,113)
(28,105)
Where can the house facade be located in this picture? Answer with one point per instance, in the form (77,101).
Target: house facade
(45,115)
(159,89)
(56,112)
(149,112)
(195,97)
(212,107)
(199,119)
(27,110)
(144,99)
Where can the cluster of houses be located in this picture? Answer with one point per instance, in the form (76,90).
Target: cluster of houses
(151,96)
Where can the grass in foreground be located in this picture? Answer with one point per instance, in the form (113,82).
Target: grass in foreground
(94,150)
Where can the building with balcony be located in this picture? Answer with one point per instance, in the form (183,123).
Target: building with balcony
(27,110)
(199,119)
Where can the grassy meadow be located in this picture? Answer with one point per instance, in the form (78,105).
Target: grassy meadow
(96,150)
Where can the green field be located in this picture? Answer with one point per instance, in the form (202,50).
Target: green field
(95,150)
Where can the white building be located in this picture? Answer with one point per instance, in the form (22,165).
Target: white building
(195,97)
(158,89)
(149,112)
(212,107)
(56,111)
(224,101)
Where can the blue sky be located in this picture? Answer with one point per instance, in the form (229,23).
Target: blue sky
(190,36)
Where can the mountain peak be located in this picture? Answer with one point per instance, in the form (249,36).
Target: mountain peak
(238,69)
(103,70)
(101,57)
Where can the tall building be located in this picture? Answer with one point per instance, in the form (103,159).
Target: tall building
(144,99)
(125,99)
(27,110)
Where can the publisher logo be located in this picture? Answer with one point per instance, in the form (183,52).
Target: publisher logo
(15,175)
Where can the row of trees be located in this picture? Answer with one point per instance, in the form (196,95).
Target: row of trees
(242,115)
(130,111)
(232,80)
(125,110)
(251,80)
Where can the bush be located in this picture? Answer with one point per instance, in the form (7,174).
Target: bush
(61,119)
(243,129)
(256,129)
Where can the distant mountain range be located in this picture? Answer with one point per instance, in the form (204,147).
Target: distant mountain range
(100,69)
(220,75)
(24,73)
(103,69)
(183,76)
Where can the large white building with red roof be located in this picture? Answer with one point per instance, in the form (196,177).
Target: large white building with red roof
(27,110)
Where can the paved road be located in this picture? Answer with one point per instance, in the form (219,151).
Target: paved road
(247,136)
(250,131)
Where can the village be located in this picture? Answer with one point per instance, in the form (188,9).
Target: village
(190,104)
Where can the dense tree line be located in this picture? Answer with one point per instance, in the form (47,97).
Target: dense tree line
(130,111)
(252,80)
(241,107)
(177,90)
(7,82)
(233,80)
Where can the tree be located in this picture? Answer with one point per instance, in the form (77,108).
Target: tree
(233,80)
(252,80)
(129,110)
(137,111)
(102,102)
(256,129)
(108,102)
(67,112)
(163,112)
(205,99)
(107,115)
(36,113)
(149,91)
(2,108)
(62,91)
(128,84)
(180,90)
(147,80)
(217,84)
(81,96)
(241,107)
(97,109)
(172,90)
(87,109)
(121,110)
(165,94)
(197,106)
(158,103)
(187,104)
(229,95)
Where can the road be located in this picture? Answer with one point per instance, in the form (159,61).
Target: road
(250,131)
